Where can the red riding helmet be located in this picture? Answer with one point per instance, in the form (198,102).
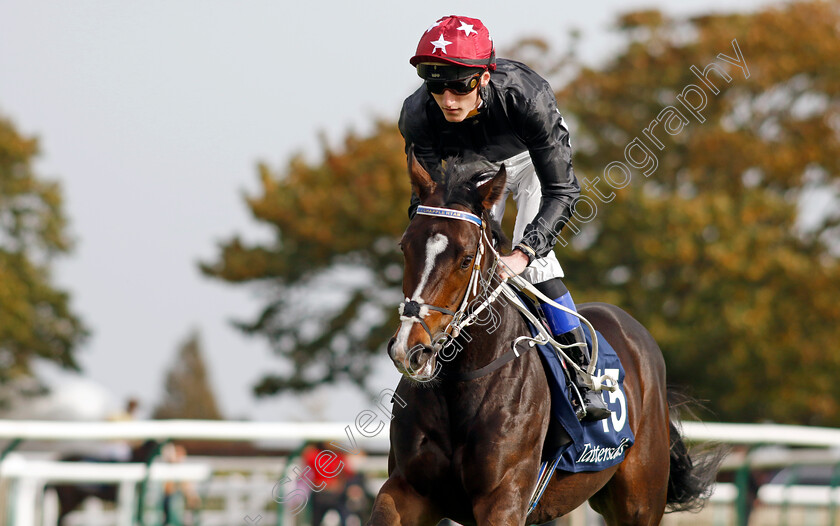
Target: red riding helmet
(456,40)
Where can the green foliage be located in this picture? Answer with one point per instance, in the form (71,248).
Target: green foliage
(709,251)
(35,317)
(188,391)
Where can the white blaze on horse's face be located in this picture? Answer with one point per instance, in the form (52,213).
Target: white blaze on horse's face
(435,246)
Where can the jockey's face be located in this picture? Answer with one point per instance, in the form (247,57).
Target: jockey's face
(456,107)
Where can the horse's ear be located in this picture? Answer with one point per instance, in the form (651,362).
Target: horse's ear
(421,181)
(491,190)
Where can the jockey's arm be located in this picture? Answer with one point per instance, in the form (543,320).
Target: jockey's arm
(544,131)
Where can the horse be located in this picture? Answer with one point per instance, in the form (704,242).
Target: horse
(71,496)
(467,436)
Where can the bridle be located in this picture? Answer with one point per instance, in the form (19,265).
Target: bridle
(411,310)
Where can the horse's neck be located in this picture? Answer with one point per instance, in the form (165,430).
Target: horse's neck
(491,335)
(482,344)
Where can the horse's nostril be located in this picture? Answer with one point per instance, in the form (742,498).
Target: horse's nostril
(420,356)
(390,347)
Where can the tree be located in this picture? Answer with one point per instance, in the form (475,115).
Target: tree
(188,391)
(709,249)
(699,233)
(339,218)
(36,321)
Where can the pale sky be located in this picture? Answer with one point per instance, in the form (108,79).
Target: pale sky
(153,116)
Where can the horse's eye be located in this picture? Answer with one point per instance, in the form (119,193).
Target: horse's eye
(466,263)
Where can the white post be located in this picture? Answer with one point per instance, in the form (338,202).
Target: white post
(25,500)
(50,517)
(125,503)
(234,511)
(259,491)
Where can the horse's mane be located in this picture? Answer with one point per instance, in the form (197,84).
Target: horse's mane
(459,181)
(460,178)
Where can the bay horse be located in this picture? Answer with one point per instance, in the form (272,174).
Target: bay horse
(470,449)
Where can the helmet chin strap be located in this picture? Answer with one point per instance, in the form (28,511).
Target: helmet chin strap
(483,91)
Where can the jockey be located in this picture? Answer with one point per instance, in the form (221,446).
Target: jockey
(507,114)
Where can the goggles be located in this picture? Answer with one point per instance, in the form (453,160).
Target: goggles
(460,86)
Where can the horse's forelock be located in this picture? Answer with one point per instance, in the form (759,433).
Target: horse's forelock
(461,179)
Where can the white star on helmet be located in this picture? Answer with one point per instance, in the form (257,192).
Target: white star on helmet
(440,44)
(466,28)
(434,25)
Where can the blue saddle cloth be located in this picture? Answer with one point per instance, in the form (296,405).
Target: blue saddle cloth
(595,445)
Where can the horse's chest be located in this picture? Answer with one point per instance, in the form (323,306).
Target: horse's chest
(425,461)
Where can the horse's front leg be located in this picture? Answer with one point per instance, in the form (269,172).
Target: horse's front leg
(507,504)
(398,504)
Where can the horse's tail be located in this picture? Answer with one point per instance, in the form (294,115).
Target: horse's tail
(692,475)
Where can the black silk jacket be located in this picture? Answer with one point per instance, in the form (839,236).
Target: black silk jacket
(519,113)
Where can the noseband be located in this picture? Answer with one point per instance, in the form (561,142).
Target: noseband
(416,311)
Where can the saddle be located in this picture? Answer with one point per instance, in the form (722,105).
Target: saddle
(556,437)
(571,445)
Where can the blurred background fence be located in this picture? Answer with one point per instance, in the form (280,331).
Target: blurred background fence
(774,474)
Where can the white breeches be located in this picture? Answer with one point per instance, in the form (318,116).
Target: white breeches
(523,184)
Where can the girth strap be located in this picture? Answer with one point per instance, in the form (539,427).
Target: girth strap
(495,365)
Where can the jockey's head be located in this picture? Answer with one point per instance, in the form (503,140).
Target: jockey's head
(455,57)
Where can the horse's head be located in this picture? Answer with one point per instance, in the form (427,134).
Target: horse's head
(443,248)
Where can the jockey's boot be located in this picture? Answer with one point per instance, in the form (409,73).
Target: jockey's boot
(567,330)
(593,402)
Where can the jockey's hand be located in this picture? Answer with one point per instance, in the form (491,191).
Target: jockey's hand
(513,264)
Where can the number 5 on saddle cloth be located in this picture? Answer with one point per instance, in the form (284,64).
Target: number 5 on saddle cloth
(582,446)
(572,445)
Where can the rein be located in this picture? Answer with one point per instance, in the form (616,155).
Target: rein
(416,311)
